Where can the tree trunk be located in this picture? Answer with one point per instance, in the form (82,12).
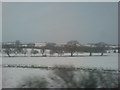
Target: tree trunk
(77,53)
(90,54)
(71,54)
(102,54)
(8,55)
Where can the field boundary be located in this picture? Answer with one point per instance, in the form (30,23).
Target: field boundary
(53,68)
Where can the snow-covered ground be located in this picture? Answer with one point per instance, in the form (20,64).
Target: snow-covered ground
(13,76)
(109,61)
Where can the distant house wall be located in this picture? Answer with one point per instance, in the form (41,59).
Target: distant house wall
(40,44)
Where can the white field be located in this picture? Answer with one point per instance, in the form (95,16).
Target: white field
(109,61)
(13,76)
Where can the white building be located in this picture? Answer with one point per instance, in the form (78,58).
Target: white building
(40,44)
(60,44)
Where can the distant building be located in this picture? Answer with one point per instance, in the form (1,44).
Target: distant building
(24,44)
(40,44)
(31,45)
(89,45)
(113,46)
(60,44)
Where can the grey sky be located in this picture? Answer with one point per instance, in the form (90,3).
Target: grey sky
(60,22)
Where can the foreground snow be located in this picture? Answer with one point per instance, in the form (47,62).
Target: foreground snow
(13,76)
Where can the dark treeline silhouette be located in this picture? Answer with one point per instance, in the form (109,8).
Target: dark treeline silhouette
(71,47)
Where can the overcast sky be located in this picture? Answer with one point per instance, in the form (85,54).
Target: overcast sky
(60,22)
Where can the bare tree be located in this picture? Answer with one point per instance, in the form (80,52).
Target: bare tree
(18,47)
(8,51)
(42,50)
(72,46)
(24,51)
(51,52)
(101,47)
(34,52)
(59,50)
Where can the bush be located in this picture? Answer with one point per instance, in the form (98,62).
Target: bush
(84,79)
(67,77)
(33,82)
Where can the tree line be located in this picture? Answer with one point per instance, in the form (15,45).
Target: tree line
(71,47)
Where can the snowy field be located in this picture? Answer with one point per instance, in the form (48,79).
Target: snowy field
(108,61)
(13,76)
